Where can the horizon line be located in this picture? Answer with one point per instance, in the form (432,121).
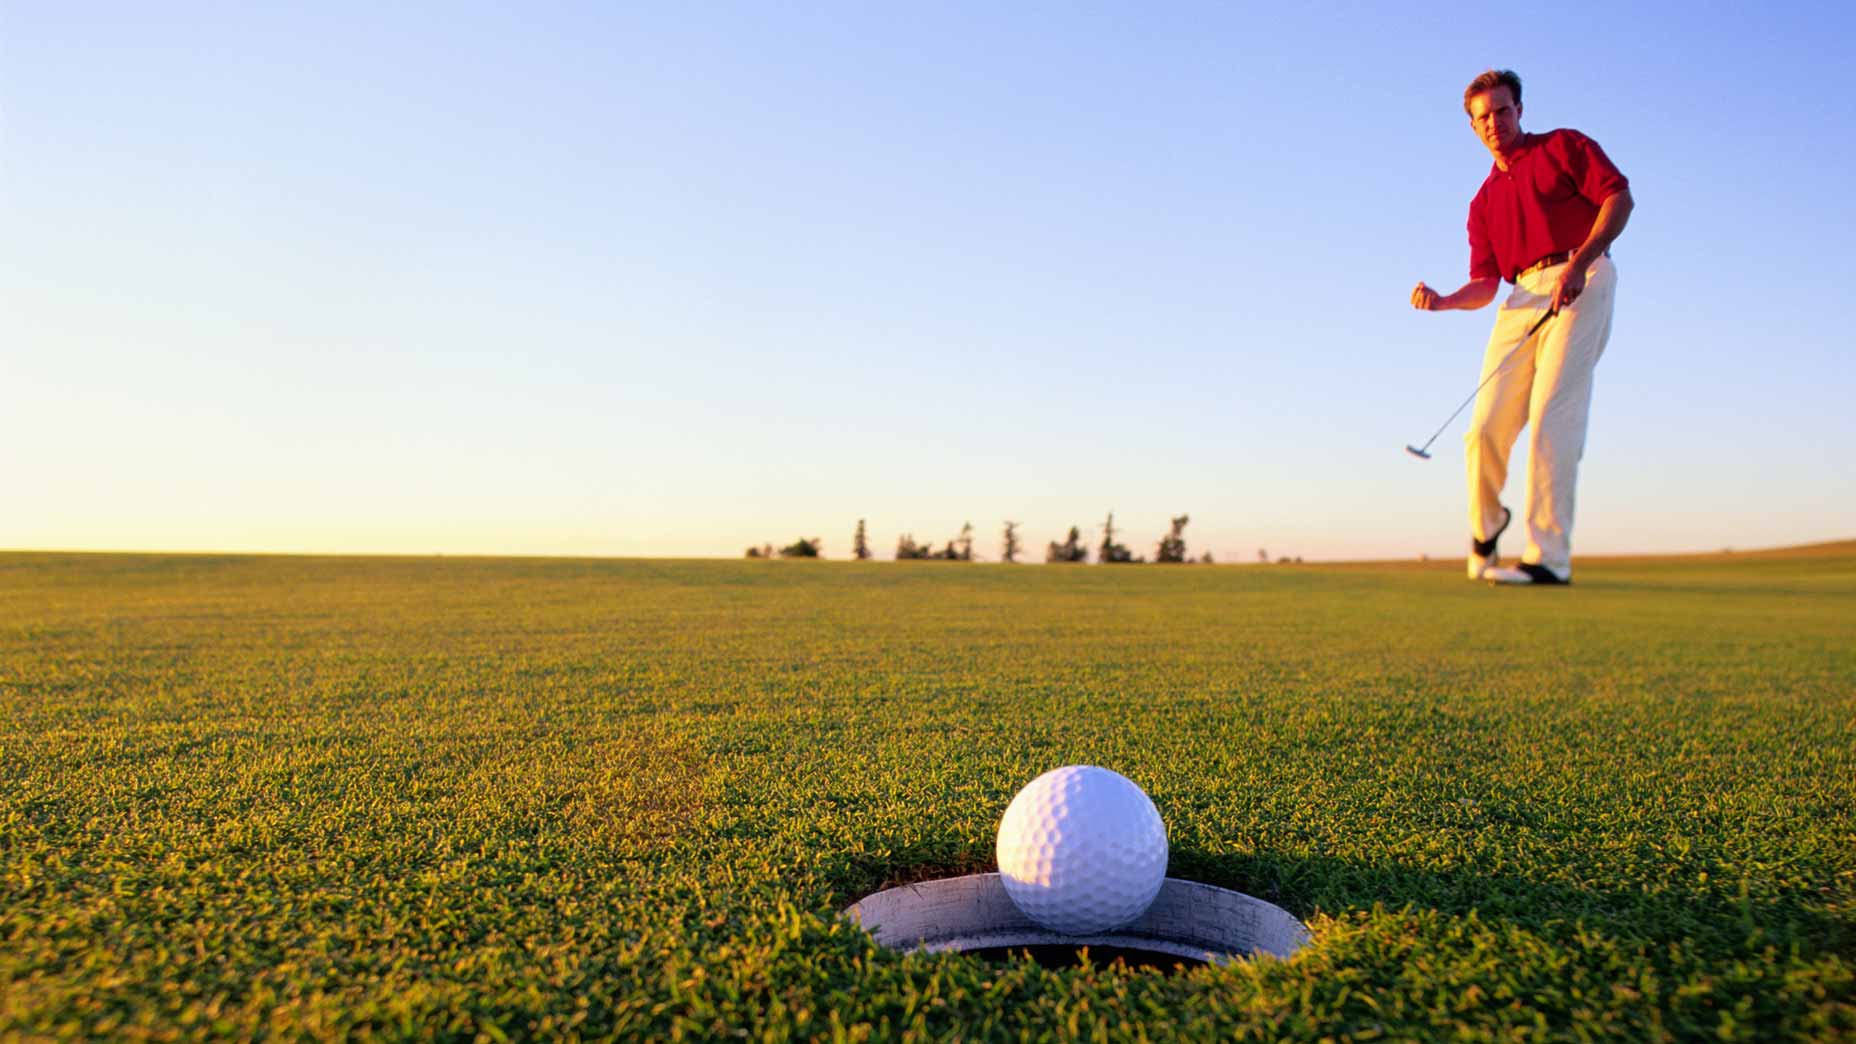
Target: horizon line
(1845,543)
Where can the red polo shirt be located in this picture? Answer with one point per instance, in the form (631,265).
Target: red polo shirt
(1543,204)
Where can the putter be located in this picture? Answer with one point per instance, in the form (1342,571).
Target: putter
(1424,452)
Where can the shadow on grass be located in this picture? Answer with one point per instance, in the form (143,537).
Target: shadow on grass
(1654,913)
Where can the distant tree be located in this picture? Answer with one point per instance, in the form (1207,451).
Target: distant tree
(964,543)
(1206,558)
(1110,552)
(860,548)
(906,548)
(1070,550)
(803,548)
(1010,552)
(754,552)
(1263,556)
(1173,546)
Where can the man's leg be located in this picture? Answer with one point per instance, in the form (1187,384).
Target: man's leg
(1501,410)
(1559,406)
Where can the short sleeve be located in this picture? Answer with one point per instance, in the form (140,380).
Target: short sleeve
(1592,171)
(1482,263)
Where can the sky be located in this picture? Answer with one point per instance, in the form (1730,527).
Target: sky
(671,279)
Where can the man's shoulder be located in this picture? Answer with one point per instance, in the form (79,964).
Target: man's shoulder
(1563,139)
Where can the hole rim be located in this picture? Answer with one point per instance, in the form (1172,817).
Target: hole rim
(1188,919)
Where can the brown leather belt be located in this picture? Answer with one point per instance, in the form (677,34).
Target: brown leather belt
(1546,262)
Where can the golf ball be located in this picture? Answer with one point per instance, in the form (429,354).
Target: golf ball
(1082,850)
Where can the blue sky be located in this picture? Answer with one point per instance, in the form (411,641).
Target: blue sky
(674,279)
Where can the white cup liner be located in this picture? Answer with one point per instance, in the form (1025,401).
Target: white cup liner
(1195,921)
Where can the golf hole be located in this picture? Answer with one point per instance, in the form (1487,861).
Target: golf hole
(1068,956)
(1189,925)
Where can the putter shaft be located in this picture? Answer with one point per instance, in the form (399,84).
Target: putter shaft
(1424,452)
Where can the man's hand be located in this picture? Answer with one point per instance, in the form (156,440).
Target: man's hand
(1571,285)
(1473,295)
(1613,215)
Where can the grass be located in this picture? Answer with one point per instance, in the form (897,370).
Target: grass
(488,799)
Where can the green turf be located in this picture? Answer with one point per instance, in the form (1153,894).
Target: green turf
(479,799)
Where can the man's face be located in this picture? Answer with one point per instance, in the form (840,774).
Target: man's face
(1496,118)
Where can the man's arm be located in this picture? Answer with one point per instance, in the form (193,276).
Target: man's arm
(1613,215)
(1473,295)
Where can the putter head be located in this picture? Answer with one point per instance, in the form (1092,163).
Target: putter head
(1418,453)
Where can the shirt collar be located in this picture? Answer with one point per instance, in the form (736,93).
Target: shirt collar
(1528,141)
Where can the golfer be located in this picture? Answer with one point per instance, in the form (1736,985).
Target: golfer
(1543,220)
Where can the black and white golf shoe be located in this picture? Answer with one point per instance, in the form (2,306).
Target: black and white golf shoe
(1482,556)
(1528,574)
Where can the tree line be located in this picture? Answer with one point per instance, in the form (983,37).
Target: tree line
(1171,549)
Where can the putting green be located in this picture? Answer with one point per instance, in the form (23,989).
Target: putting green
(475,798)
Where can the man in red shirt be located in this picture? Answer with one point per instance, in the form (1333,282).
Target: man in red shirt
(1543,221)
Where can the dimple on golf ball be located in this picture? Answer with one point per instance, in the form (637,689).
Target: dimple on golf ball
(1082,850)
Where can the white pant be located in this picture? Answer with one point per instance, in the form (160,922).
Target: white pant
(1546,386)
